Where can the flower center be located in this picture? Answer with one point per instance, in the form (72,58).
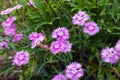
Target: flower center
(35,35)
(74,71)
(59,78)
(57,45)
(79,17)
(60,33)
(111,54)
(91,27)
(21,57)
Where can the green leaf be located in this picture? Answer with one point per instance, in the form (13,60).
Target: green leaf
(6,70)
(21,77)
(23,2)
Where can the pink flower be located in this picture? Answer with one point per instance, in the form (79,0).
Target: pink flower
(35,43)
(31,3)
(91,28)
(45,46)
(4,44)
(66,46)
(10,31)
(80,18)
(36,39)
(36,36)
(109,55)
(74,71)
(56,47)
(117,46)
(8,22)
(21,58)
(7,11)
(60,33)
(59,77)
(17,38)
(17,7)
(60,46)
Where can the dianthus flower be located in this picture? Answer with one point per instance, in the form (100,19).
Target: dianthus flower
(36,38)
(60,33)
(66,46)
(21,58)
(109,55)
(17,7)
(74,71)
(35,43)
(17,38)
(10,31)
(60,46)
(31,3)
(80,18)
(8,21)
(91,28)
(56,47)
(44,46)
(7,11)
(59,77)
(3,44)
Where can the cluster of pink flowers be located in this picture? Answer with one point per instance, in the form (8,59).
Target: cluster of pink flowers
(21,58)
(9,26)
(81,19)
(8,10)
(73,71)
(61,44)
(10,29)
(111,55)
(36,38)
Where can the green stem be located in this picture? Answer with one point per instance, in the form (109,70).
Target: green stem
(45,64)
(79,35)
(96,11)
(70,17)
(55,69)
(47,2)
(37,11)
(66,10)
